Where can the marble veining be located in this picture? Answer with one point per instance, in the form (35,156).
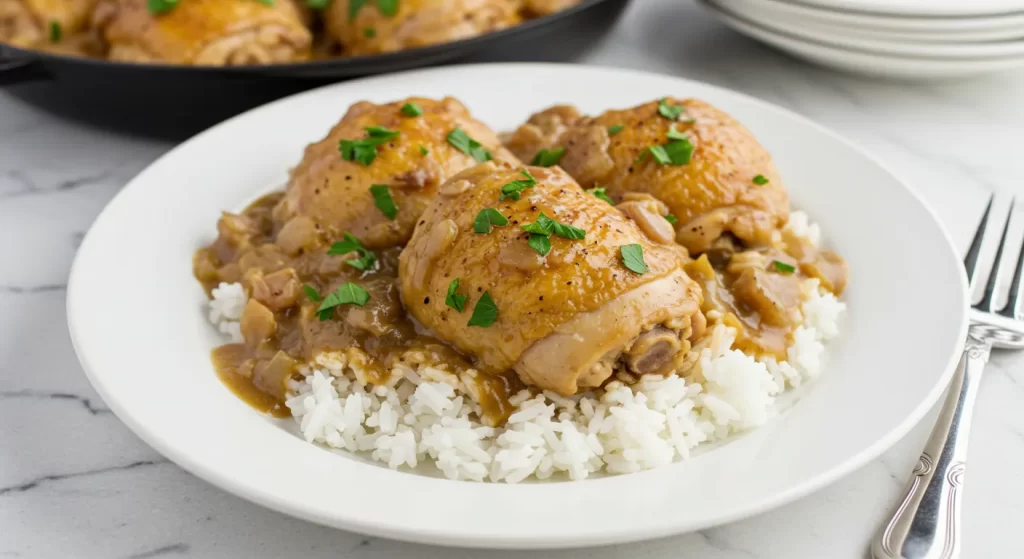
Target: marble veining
(74,482)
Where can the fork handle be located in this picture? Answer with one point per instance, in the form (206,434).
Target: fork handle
(926,524)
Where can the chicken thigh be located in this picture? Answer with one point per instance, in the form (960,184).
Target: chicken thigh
(521,269)
(400,153)
(205,32)
(363,27)
(38,23)
(705,166)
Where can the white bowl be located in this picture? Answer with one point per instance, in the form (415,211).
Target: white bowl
(920,8)
(868,63)
(136,318)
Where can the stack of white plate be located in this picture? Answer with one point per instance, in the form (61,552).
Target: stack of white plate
(917,39)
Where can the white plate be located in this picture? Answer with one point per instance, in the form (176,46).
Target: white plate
(137,322)
(902,23)
(920,8)
(841,40)
(844,24)
(889,66)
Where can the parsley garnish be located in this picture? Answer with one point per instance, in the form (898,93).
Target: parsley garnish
(515,188)
(412,109)
(161,6)
(423,150)
(365,151)
(318,4)
(382,198)
(613,130)
(366,258)
(486,218)
(760,180)
(546,158)
(783,267)
(540,243)
(312,294)
(386,7)
(599,192)
(266,2)
(369,32)
(542,229)
(56,32)
(485,312)
(633,258)
(677,152)
(672,112)
(671,219)
(346,294)
(453,300)
(462,142)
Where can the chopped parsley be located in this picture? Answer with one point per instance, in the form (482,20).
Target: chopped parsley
(266,2)
(485,312)
(365,151)
(672,112)
(462,142)
(412,109)
(542,229)
(671,219)
(312,294)
(346,294)
(615,129)
(760,180)
(783,267)
(382,198)
(370,33)
(543,226)
(633,258)
(540,243)
(599,192)
(677,152)
(486,218)
(423,150)
(454,300)
(546,158)
(161,6)
(56,32)
(318,4)
(515,188)
(387,7)
(366,259)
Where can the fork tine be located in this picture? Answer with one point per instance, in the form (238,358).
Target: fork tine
(993,276)
(971,260)
(1016,300)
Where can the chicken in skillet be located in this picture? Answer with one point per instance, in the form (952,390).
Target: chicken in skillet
(42,23)
(364,28)
(393,158)
(521,269)
(204,32)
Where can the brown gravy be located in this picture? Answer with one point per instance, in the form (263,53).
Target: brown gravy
(282,330)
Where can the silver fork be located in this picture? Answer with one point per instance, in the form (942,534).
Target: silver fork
(926,523)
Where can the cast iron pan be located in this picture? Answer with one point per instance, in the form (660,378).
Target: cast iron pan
(178,101)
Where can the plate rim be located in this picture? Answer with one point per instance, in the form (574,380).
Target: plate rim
(267,499)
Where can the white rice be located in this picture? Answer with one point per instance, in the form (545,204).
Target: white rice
(429,416)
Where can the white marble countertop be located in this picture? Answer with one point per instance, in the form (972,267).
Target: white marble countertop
(75,482)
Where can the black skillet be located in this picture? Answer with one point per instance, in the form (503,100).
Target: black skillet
(177,101)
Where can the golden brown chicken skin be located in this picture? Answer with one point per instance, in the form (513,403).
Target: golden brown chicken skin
(205,32)
(363,28)
(42,23)
(335,194)
(729,183)
(567,320)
